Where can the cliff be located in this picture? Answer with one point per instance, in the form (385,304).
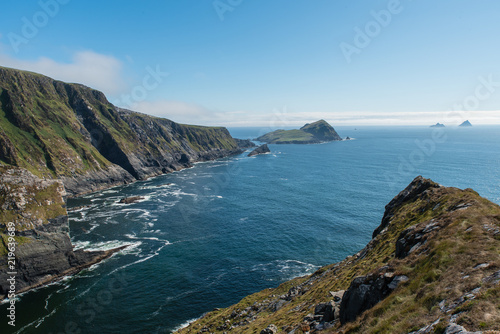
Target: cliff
(433,266)
(32,212)
(71,132)
(313,133)
(58,140)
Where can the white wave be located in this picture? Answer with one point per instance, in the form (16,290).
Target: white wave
(106,245)
(79,244)
(184,325)
(286,269)
(148,257)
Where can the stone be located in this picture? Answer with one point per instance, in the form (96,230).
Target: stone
(271,329)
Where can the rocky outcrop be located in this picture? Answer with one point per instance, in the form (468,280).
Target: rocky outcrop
(73,133)
(413,191)
(262,149)
(365,292)
(245,143)
(34,227)
(466,124)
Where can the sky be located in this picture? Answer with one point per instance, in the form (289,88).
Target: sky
(270,63)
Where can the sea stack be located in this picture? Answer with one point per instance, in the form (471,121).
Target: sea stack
(437,125)
(262,149)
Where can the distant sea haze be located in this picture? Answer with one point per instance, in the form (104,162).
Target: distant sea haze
(207,236)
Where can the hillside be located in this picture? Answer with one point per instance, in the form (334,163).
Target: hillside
(71,132)
(58,140)
(433,266)
(313,133)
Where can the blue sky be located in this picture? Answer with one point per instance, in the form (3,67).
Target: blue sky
(262,62)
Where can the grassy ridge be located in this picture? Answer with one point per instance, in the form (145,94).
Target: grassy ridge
(55,129)
(444,270)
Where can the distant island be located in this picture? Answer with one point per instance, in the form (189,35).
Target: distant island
(466,123)
(437,125)
(311,133)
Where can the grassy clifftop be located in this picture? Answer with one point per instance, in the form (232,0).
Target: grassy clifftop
(72,132)
(433,265)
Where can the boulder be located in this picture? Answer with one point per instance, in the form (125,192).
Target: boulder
(271,329)
(365,292)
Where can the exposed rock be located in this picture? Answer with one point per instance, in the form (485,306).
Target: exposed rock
(271,329)
(262,149)
(466,123)
(245,143)
(365,292)
(415,189)
(130,200)
(43,251)
(326,311)
(347,138)
(102,145)
(437,125)
(415,236)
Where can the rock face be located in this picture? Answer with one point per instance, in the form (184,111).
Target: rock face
(432,266)
(414,190)
(35,209)
(365,292)
(466,123)
(245,143)
(262,149)
(317,132)
(71,132)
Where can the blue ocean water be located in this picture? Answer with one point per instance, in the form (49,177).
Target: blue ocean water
(207,236)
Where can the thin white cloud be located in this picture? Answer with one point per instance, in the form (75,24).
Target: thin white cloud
(102,72)
(283,118)
(178,111)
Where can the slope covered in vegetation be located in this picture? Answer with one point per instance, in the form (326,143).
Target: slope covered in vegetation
(433,266)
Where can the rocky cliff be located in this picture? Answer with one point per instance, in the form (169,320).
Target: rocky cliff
(33,217)
(313,133)
(59,139)
(71,132)
(433,266)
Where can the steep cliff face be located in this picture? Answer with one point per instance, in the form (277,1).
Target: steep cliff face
(34,229)
(69,131)
(433,266)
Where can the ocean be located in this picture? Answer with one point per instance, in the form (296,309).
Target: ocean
(207,236)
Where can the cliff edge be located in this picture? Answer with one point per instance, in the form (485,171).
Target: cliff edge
(73,133)
(433,266)
(35,244)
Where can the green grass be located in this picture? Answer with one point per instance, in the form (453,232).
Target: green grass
(286,136)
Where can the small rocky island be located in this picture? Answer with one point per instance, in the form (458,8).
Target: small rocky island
(466,123)
(313,133)
(437,125)
(262,149)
